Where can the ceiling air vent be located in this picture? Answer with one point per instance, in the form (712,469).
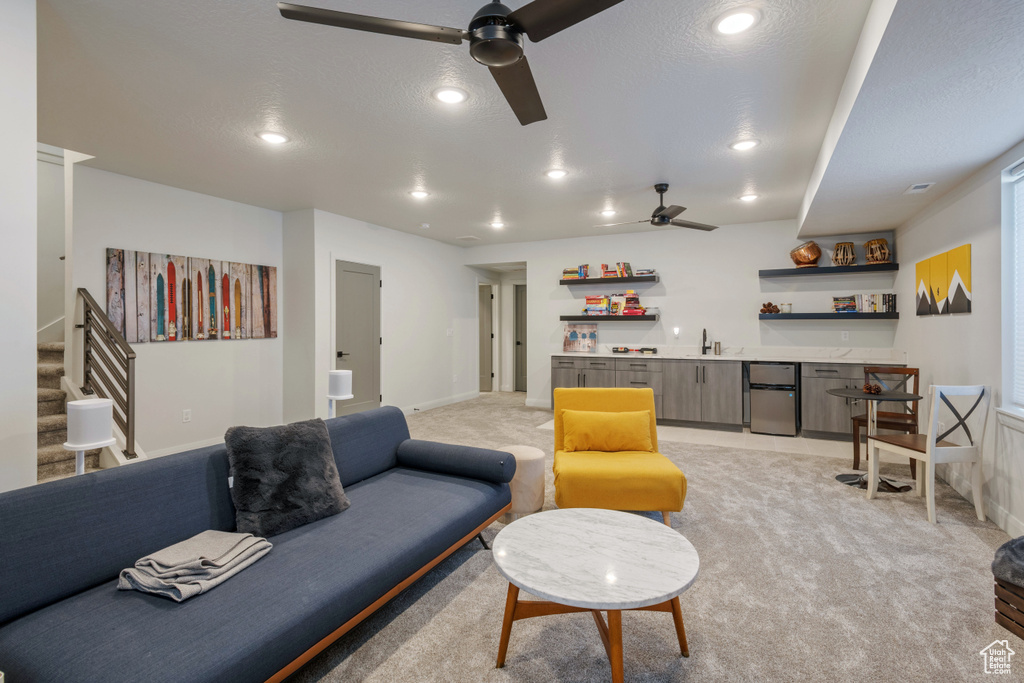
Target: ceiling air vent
(468,238)
(918,188)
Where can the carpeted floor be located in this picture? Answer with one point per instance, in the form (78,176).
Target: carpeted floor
(801,579)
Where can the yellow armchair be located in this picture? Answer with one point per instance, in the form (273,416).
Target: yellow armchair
(637,477)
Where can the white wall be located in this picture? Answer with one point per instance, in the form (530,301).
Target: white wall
(427,290)
(224,383)
(965,348)
(18,221)
(50,240)
(708,280)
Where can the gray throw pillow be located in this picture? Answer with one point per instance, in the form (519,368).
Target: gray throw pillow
(284,476)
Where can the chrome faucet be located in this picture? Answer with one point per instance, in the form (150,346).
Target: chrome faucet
(704,346)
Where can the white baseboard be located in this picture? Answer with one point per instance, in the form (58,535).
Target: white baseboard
(448,400)
(998,514)
(54,332)
(181,448)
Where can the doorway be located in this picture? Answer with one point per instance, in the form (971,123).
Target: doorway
(519,332)
(486,317)
(357,333)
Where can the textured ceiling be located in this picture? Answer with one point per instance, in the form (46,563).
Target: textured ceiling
(644,92)
(943,96)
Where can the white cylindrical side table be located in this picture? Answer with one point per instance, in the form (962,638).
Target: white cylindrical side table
(528,482)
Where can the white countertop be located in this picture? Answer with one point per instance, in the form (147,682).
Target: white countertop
(791,354)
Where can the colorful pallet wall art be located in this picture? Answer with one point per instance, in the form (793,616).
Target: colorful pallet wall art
(162,297)
(578,337)
(944,283)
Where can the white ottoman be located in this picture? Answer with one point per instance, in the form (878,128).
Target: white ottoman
(528,482)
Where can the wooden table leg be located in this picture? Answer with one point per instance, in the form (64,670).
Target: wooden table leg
(677,617)
(506,625)
(615,638)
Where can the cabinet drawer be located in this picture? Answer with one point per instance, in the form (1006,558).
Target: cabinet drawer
(596,364)
(564,362)
(831,370)
(637,365)
(638,380)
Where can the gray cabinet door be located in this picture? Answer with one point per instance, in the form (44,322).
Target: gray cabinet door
(821,411)
(592,378)
(722,392)
(565,377)
(680,390)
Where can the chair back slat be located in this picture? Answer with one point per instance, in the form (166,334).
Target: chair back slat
(906,380)
(975,397)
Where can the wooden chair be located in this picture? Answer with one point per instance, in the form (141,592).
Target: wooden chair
(900,421)
(932,448)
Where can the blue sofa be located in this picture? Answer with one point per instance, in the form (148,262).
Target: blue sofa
(62,545)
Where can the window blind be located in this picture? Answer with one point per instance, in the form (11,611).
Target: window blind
(1018,293)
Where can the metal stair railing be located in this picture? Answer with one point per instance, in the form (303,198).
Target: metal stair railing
(108,368)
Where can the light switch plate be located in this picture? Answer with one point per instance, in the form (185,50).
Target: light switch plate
(186,415)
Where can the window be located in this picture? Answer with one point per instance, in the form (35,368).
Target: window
(1017,275)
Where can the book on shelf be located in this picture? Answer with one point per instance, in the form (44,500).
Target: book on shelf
(864,303)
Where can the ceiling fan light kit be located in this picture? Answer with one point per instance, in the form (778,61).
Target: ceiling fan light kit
(495,36)
(450,95)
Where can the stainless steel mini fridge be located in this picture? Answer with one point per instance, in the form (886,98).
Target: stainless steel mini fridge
(773,398)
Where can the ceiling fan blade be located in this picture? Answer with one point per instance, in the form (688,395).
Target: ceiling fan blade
(671,211)
(544,18)
(612,225)
(518,87)
(680,223)
(359,22)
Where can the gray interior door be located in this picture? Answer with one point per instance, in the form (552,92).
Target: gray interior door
(357,333)
(486,338)
(520,335)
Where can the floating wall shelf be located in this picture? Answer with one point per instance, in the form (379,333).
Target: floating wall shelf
(609,280)
(829,270)
(606,318)
(828,316)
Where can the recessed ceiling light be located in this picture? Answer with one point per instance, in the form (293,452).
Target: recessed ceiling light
(744,145)
(450,95)
(497,225)
(736,21)
(272,137)
(748,197)
(608,213)
(556,173)
(420,194)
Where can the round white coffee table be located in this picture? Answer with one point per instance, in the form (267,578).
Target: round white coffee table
(587,560)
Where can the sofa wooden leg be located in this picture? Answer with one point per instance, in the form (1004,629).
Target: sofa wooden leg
(665,518)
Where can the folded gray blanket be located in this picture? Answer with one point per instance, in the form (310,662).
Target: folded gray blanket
(1008,564)
(194,565)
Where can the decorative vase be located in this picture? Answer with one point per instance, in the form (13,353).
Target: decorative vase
(843,255)
(806,255)
(877,251)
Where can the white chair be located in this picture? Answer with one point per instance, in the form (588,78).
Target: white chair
(932,449)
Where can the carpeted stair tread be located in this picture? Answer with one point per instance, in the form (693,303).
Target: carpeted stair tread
(45,395)
(49,375)
(66,468)
(51,423)
(50,352)
(57,453)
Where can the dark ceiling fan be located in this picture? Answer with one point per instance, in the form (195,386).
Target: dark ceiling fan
(665,215)
(495,36)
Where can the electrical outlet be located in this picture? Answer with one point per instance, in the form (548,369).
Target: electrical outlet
(451,332)
(845,335)
(186,415)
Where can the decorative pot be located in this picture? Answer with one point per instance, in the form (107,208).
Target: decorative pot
(806,255)
(844,254)
(878,251)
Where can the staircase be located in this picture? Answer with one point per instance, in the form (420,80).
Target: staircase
(53,462)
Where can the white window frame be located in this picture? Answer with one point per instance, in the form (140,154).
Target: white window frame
(1013,291)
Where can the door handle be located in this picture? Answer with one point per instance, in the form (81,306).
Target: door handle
(643,383)
(579,383)
(705,374)
(342,354)
(696,374)
(519,343)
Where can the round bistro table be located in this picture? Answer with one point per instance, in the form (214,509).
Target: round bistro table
(873,400)
(588,560)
